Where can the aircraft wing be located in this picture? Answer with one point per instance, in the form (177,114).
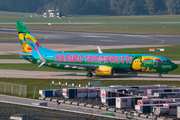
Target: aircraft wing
(80,66)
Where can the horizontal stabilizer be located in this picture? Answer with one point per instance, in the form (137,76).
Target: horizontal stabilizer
(26,54)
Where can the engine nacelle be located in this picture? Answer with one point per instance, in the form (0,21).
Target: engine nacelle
(104,71)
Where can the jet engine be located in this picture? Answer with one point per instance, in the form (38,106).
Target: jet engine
(104,71)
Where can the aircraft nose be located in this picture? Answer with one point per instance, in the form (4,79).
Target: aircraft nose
(174,66)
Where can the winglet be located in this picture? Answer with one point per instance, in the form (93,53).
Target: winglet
(42,59)
(99,50)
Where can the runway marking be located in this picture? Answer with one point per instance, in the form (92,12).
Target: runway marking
(45,75)
(79,38)
(142,36)
(162,41)
(108,40)
(98,36)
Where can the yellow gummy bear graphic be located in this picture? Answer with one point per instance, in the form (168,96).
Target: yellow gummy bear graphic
(26,48)
(136,64)
(21,36)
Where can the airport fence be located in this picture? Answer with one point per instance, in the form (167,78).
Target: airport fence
(36,89)
(13,89)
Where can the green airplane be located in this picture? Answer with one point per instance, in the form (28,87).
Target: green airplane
(102,64)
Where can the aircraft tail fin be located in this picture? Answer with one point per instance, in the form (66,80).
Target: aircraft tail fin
(27,40)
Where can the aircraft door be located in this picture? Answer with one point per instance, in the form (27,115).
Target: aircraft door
(155,63)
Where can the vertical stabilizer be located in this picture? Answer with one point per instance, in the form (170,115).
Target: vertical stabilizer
(28,42)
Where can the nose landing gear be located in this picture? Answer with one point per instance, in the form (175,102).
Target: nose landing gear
(159,76)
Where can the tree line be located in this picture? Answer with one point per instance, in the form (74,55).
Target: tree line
(94,7)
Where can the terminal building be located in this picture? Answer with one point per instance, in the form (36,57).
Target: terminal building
(51,13)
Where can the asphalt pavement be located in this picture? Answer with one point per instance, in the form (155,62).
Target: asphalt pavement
(100,39)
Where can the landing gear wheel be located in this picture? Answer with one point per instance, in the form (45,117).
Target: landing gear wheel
(89,74)
(159,76)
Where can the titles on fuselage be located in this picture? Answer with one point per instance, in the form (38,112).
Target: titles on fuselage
(93,59)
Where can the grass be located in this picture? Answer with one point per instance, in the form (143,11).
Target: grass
(150,29)
(34,67)
(31,67)
(45,83)
(7,35)
(13,16)
(8,40)
(10,56)
(167,53)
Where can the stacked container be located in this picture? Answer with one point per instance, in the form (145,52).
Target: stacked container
(168,95)
(108,101)
(47,93)
(123,102)
(146,108)
(172,108)
(152,91)
(80,92)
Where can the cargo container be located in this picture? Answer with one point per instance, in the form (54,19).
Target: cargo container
(127,102)
(160,111)
(178,112)
(47,93)
(80,92)
(144,102)
(152,91)
(58,92)
(176,90)
(123,102)
(143,89)
(70,93)
(108,101)
(172,108)
(132,91)
(149,97)
(106,93)
(154,101)
(168,95)
(92,93)
(146,108)
(134,100)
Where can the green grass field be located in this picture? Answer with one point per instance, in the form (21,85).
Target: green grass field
(45,83)
(7,35)
(152,29)
(13,16)
(167,53)
(8,40)
(31,67)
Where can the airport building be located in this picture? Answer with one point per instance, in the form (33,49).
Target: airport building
(51,13)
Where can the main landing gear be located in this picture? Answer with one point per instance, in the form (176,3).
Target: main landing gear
(89,74)
(159,76)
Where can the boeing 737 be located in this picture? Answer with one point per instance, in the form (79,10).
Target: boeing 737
(102,64)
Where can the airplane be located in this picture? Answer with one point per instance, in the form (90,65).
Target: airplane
(102,64)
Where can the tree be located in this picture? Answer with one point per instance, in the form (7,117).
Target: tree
(173,6)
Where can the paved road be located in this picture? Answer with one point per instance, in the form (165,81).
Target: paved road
(79,75)
(94,23)
(62,106)
(100,39)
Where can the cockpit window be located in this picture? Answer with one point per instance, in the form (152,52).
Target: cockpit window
(166,61)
